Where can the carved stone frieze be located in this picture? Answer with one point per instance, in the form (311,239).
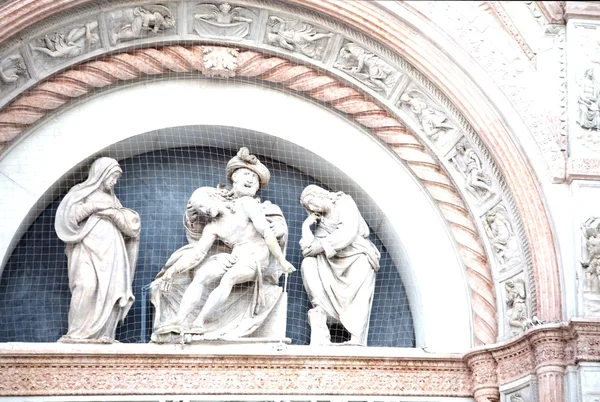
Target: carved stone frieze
(140,22)
(500,232)
(223,20)
(485,378)
(68,43)
(478,181)
(104,373)
(366,67)
(296,36)
(514,362)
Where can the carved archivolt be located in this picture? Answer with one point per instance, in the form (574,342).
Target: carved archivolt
(224,62)
(380,68)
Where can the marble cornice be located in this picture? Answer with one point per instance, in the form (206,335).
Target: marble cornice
(146,369)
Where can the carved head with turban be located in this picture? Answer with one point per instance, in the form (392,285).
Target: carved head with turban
(245,160)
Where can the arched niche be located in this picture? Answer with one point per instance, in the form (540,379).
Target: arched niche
(423,249)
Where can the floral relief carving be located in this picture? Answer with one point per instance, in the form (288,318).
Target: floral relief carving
(220,62)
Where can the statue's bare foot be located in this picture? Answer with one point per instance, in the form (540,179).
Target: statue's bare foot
(197,326)
(172,325)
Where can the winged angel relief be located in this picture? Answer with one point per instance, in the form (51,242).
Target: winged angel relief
(149,19)
(222,20)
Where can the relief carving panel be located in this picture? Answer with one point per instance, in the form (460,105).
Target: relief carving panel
(500,232)
(297,36)
(223,20)
(366,67)
(431,119)
(147,21)
(13,73)
(478,181)
(67,43)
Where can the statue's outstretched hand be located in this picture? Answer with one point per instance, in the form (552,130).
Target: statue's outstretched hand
(164,282)
(287,267)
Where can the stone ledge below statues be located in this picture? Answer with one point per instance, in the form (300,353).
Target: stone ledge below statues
(150,369)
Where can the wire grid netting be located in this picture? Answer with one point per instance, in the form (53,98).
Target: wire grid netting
(34,286)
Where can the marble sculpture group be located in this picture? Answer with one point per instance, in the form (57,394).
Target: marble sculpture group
(224,285)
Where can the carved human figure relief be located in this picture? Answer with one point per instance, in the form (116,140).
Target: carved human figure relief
(140,22)
(366,67)
(69,44)
(501,235)
(222,20)
(224,284)
(102,241)
(588,112)
(516,304)
(12,68)
(339,266)
(477,181)
(296,36)
(590,265)
(433,122)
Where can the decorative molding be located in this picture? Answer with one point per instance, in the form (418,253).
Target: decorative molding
(143,369)
(75,373)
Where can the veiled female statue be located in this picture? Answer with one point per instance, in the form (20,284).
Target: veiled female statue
(339,267)
(102,241)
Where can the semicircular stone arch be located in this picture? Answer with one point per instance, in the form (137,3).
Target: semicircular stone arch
(389,100)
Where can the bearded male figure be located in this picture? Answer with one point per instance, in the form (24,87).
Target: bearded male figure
(224,284)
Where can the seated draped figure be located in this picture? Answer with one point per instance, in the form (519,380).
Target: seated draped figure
(339,267)
(102,242)
(224,284)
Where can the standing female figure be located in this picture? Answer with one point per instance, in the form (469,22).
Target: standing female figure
(339,267)
(102,241)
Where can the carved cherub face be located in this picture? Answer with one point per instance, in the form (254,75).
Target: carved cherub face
(225,8)
(109,183)
(245,182)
